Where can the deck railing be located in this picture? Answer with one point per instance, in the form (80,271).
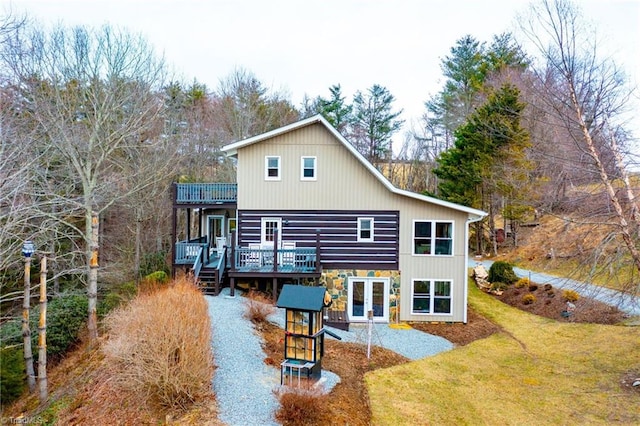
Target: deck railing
(287,260)
(206,193)
(187,252)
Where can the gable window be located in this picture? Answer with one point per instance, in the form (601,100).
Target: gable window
(365,229)
(431,297)
(272,168)
(432,238)
(308,168)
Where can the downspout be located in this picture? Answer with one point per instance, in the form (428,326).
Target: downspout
(466,263)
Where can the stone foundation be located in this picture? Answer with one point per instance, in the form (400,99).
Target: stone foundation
(336,281)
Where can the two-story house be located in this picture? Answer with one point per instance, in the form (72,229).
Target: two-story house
(310,209)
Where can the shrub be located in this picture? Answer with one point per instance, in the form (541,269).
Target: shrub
(502,271)
(66,314)
(300,407)
(259,307)
(533,287)
(12,375)
(528,299)
(570,295)
(114,298)
(522,283)
(548,287)
(161,345)
(499,286)
(154,262)
(154,281)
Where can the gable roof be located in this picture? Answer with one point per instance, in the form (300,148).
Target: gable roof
(231,150)
(301,297)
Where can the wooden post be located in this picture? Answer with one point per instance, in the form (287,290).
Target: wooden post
(174,230)
(275,250)
(26,330)
(42,332)
(318,251)
(274,282)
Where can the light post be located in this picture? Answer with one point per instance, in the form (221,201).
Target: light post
(28,248)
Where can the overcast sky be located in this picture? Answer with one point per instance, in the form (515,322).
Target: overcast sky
(304,46)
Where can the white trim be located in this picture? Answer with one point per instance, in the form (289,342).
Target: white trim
(432,295)
(266,167)
(466,267)
(315,167)
(231,150)
(371,230)
(263,229)
(434,223)
(368,289)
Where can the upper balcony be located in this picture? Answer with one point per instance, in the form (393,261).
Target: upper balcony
(200,194)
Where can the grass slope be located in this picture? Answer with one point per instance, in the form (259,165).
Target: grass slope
(536,371)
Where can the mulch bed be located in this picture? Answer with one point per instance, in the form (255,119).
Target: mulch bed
(550,303)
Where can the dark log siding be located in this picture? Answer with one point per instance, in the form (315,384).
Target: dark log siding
(339,246)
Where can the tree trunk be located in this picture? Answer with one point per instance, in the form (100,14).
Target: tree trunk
(92,284)
(138,244)
(625,230)
(42,333)
(26,330)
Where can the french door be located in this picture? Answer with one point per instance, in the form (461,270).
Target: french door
(368,296)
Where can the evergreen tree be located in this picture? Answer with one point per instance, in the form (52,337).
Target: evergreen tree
(335,109)
(487,160)
(374,122)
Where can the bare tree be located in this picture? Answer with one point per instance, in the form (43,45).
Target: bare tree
(88,95)
(586,96)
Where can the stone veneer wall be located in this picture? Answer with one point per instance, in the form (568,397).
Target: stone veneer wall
(336,281)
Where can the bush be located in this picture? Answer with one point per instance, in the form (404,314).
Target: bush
(533,287)
(300,407)
(66,314)
(114,298)
(160,344)
(570,295)
(154,281)
(259,307)
(154,262)
(528,299)
(522,283)
(502,271)
(12,374)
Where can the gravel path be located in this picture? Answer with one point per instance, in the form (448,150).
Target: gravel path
(244,384)
(622,301)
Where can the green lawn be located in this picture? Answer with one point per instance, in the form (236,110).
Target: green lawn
(537,371)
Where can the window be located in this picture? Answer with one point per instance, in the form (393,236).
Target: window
(272,168)
(431,297)
(308,168)
(365,229)
(432,238)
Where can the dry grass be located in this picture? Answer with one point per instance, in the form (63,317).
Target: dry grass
(579,252)
(90,388)
(537,371)
(300,407)
(259,307)
(160,343)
